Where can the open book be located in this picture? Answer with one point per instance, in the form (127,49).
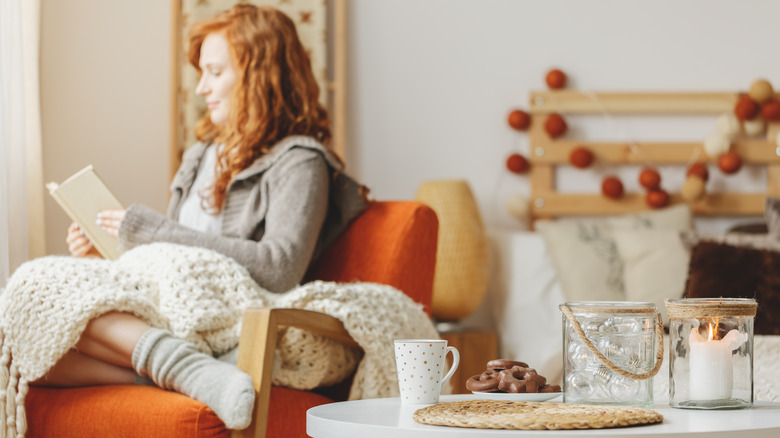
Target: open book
(82,196)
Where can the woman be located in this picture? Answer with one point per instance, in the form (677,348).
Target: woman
(261,187)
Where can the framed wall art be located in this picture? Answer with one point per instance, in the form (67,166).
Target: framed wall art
(321,25)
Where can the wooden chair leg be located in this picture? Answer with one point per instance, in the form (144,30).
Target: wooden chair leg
(256,357)
(257,345)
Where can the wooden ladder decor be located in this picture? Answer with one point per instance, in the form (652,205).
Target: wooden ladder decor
(547,154)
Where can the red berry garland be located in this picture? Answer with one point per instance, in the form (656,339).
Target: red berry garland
(760,102)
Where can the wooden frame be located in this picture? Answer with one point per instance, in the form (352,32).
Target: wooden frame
(336,85)
(258,342)
(547,154)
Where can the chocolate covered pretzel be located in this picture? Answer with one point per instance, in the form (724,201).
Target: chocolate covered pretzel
(520,379)
(486,382)
(510,376)
(505,364)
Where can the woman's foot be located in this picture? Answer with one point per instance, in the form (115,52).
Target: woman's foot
(176,364)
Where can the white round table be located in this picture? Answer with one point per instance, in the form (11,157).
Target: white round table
(388,418)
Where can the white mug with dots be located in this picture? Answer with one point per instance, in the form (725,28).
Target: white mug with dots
(420,364)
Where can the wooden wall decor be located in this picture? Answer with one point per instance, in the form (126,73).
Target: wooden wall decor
(547,154)
(321,25)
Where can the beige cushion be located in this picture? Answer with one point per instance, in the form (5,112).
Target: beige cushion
(655,265)
(585,255)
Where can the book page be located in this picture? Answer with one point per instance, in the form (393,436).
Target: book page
(82,196)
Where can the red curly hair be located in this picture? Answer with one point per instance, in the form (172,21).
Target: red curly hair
(275,96)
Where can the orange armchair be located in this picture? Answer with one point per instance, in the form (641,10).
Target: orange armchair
(391,243)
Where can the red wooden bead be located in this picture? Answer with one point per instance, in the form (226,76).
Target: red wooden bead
(581,157)
(657,198)
(650,179)
(700,170)
(612,187)
(517,163)
(770,110)
(746,108)
(729,163)
(555,79)
(519,120)
(555,126)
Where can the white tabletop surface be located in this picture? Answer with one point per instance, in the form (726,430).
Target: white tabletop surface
(388,418)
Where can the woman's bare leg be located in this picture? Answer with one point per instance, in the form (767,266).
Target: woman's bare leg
(112,337)
(110,342)
(76,369)
(103,355)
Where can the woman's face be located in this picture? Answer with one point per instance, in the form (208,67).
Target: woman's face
(218,77)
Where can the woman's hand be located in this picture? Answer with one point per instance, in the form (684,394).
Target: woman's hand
(111,220)
(78,244)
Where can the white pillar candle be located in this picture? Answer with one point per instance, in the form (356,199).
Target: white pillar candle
(711,365)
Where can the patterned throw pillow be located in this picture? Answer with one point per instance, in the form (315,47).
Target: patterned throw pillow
(729,271)
(585,255)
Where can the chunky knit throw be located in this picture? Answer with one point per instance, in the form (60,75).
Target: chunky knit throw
(200,296)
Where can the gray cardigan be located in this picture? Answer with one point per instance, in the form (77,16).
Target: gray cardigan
(279,213)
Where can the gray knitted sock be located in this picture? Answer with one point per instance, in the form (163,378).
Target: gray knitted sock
(176,364)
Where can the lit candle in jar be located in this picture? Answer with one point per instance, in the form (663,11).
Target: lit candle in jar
(711,365)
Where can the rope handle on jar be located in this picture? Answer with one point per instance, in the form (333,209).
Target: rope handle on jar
(659,350)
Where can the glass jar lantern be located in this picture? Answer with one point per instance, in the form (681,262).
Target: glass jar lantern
(611,351)
(711,352)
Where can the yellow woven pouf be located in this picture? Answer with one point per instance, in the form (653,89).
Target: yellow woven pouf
(495,414)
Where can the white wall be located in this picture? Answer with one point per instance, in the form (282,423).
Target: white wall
(105,99)
(433,80)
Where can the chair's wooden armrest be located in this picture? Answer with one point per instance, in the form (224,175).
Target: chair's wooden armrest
(257,344)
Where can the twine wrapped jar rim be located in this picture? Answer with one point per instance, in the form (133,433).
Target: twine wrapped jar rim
(632,307)
(687,308)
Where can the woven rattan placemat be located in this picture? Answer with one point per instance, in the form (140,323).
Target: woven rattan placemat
(495,414)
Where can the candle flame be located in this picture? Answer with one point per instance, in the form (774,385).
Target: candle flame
(711,335)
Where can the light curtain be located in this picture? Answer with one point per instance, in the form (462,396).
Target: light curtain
(21,173)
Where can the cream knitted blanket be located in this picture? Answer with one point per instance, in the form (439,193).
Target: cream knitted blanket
(199,295)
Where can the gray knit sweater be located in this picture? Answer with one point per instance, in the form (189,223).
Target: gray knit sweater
(278,216)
